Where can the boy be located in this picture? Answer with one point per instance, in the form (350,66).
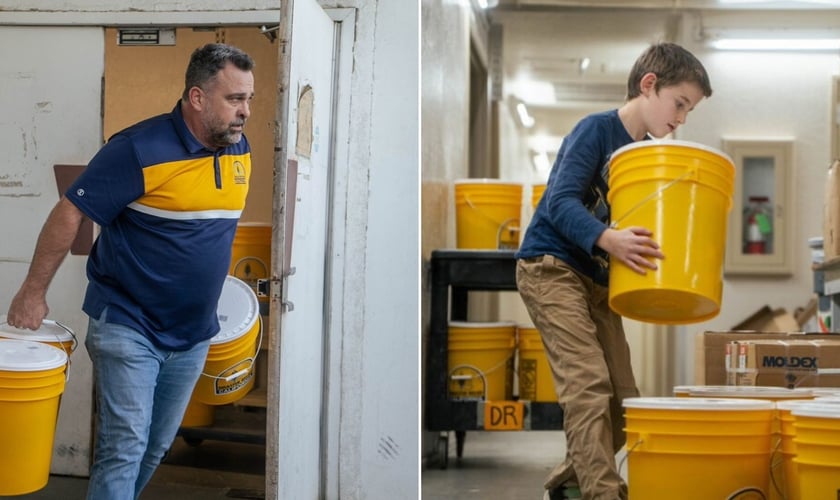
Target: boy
(563,268)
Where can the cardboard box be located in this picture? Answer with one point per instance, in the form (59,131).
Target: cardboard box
(787,363)
(769,320)
(710,353)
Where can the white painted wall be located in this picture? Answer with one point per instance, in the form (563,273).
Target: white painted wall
(52,111)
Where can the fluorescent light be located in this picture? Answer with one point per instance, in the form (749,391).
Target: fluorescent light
(541,162)
(776,44)
(526,119)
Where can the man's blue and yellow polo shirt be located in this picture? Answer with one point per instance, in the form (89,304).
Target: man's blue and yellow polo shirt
(168,209)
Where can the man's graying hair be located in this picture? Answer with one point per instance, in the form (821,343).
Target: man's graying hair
(206,61)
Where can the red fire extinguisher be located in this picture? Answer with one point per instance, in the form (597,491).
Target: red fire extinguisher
(755,240)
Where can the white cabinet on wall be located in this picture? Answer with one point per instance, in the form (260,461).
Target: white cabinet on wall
(759,231)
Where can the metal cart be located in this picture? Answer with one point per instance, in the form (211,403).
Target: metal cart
(460,272)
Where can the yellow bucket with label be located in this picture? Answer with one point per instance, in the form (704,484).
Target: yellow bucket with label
(481,360)
(535,379)
(32,379)
(229,369)
(698,448)
(682,192)
(487,214)
(537,191)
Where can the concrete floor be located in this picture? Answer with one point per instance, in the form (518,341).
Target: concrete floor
(496,466)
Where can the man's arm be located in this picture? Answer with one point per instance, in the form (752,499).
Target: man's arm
(29,306)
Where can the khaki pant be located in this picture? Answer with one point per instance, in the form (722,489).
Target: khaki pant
(590,361)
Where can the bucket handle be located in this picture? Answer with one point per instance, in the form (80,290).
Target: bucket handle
(773,464)
(57,338)
(502,225)
(250,366)
(481,372)
(655,194)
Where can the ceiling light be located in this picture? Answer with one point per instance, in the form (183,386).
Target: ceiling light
(776,44)
(524,117)
(584,64)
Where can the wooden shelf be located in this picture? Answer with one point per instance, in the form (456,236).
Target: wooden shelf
(256,398)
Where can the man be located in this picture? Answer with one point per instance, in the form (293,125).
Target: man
(167,193)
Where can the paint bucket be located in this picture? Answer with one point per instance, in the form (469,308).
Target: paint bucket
(681,191)
(32,379)
(789,479)
(537,191)
(251,256)
(535,379)
(481,360)
(51,332)
(697,448)
(817,446)
(198,414)
(487,214)
(229,369)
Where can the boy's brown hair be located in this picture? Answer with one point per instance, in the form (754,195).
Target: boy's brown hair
(672,65)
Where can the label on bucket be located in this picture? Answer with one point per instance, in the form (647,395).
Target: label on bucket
(241,372)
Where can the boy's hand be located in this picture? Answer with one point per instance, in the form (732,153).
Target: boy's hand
(633,246)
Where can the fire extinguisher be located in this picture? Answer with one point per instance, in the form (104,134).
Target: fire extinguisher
(755,240)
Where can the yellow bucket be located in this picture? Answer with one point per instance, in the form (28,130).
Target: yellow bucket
(817,446)
(681,191)
(198,414)
(697,448)
(481,360)
(487,214)
(535,380)
(251,254)
(790,481)
(51,332)
(32,378)
(537,191)
(229,369)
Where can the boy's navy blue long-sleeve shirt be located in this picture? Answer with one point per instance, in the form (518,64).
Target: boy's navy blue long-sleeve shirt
(573,211)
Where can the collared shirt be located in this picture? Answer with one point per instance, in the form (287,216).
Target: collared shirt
(168,209)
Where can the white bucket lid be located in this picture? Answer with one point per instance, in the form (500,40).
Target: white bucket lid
(790,405)
(479,324)
(819,410)
(49,331)
(671,142)
(757,391)
(675,403)
(825,391)
(26,356)
(815,242)
(237,310)
(487,181)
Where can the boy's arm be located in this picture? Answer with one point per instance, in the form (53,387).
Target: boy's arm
(633,246)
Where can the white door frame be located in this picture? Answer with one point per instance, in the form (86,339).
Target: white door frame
(328,463)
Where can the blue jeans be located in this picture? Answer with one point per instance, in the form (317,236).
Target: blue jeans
(142,392)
